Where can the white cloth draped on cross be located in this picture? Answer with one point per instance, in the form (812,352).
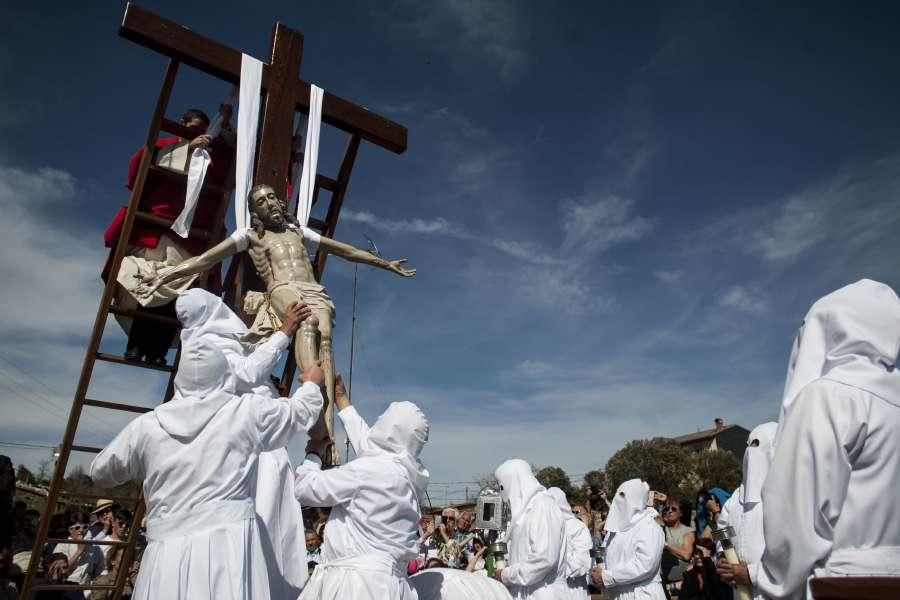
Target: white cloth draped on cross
(247,126)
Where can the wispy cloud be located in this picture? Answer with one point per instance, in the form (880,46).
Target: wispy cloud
(493,30)
(743,299)
(440,226)
(594,222)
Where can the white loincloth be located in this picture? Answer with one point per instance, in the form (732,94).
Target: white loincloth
(267,321)
(147,261)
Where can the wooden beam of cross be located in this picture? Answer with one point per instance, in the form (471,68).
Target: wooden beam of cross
(284,91)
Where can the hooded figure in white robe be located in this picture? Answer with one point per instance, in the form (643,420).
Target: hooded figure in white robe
(372,532)
(197,455)
(205,317)
(577,566)
(744,510)
(829,499)
(456,584)
(634,545)
(536,536)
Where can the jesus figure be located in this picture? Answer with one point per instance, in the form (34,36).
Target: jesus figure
(275,244)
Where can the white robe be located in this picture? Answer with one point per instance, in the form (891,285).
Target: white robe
(576,567)
(829,499)
(372,532)
(536,536)
(203,536)
(631,567)
(456,584)
(206,317)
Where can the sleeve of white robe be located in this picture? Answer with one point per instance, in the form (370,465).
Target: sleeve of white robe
(279,419)
(253,369)
(579,551)
(120,460)
(645,558)
(545,531)
(356,427)
(807,483)
(315,487)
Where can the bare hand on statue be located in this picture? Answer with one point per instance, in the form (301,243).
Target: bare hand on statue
(314,374)
(341,399)
(397,267)
(295,314)
(201,141)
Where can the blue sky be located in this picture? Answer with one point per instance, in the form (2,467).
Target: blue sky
(619,211)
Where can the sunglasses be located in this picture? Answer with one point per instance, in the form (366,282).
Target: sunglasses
(78,527)
(670,509)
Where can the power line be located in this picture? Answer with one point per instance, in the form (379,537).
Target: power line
(28,445)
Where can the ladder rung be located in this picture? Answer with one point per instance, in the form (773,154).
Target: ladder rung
(163,222)
(319,224)
(327,183)
(77,587)
(93,449)
(182,178)
(115,358)
(87,542)
(116,406)
(86,496)
(140,314)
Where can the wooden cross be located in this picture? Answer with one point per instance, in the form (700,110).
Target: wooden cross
(284,91)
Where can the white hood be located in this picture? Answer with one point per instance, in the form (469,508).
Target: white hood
(517,485)
(628,506)
(400,432)
(757,460)
(199,382)
(202,313)
(560,497)
(851,336)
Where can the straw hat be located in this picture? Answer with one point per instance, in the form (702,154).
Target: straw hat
(102,504)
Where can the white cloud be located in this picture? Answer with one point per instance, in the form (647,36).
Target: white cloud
(51,273)
(669,277)
(486,29)
(859,204)
(416,226)
(594,222)
(743,299)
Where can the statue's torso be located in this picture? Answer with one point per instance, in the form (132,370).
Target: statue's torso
(280,257)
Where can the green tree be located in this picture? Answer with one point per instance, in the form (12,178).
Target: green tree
(661,462)
(716,468)
(555,477)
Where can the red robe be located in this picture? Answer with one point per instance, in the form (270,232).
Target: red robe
(164,197)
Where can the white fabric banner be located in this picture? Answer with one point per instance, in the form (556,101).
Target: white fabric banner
(195,177)
(248,123)
(310,155)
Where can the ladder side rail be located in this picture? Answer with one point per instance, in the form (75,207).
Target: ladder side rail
(99,325)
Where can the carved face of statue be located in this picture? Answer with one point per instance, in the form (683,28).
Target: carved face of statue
(267,206)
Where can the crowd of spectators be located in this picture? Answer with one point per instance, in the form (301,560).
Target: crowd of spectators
(68,561)
(447,540)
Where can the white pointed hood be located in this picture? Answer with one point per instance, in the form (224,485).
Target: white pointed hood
(562,502)
(628,506)
(518,485)
(400,433)
(851,336)
(199,391)
(202,313)
(757,460)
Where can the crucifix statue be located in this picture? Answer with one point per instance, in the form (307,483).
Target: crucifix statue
(276,245)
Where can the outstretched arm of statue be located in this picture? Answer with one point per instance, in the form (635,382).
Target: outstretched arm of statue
(353,254)
(192,266)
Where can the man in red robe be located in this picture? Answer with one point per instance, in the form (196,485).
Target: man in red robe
(163,196)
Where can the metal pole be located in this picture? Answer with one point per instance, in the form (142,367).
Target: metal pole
(352,348)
